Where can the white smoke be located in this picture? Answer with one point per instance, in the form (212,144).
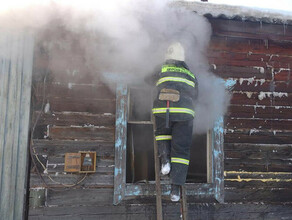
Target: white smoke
(120,41)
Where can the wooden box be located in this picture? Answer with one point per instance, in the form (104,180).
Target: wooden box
(74,162)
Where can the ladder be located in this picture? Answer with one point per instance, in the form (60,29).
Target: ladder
(183,199)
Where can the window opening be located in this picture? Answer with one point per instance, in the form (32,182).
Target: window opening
(133,115)
(140,162)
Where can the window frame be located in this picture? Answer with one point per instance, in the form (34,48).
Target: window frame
(214,187)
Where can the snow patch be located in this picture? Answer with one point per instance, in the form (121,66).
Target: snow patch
(88,125)
(282,69)
(232,11)
(70,85)
(262,81)
(263,95)
(253,130)
(249,94)
(261,69)
(47,108)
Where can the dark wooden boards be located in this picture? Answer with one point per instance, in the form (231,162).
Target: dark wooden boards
(196,211)
(257,134)
(60,147)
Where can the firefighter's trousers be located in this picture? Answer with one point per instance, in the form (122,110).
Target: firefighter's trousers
(175,142)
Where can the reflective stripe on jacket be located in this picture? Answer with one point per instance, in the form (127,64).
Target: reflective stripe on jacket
(176,75)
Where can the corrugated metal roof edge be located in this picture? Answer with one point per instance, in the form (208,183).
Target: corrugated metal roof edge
(211,10)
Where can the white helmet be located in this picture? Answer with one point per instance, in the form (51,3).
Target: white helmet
(175,51)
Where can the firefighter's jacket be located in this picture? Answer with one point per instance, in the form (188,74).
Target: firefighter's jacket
(176,75)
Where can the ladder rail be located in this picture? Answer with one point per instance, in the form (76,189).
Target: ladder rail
(159,213)
(183,199)
(183,203)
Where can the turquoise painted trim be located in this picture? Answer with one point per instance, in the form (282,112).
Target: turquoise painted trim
(218,159)
(125,191)
(120,143)
(198,189)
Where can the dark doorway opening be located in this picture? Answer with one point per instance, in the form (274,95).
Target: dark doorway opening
(140,156)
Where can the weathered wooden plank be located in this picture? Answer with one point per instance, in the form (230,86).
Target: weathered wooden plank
(256,147)
(17,58)
(75,118)
(261,137)
(247,56)
(60,147)
(255,167)
(253,45)
(80,197)
(251,85)
(257,30)
(124,216)
(200,190)
(257,111)
(103,166)
(240,211)
(236,62)
(218,161)
(258,195)
(275,124)
(120,143)
(260,176)
(4,76)
(245,155)
(250,183)
(260,165)
(271,153)
(263,36)
(226,71)
(10,145)
(282,74)
(96,180)
(72,104)
(57,89)
(81,133)
(255,98)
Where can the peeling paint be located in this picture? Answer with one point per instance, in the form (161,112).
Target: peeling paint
(229,83)
(218,127)
(257,173)
(262,180)
(214,66)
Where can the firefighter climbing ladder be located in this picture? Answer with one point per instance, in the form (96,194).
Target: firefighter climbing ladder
(183,200)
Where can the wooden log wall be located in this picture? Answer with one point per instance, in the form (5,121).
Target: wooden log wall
(258,141)
(258,130)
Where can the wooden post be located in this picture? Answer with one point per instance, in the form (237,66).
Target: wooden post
(16,58)
(218,155)
(120,143)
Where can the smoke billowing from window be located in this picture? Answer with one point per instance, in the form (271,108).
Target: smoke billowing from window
(119,41)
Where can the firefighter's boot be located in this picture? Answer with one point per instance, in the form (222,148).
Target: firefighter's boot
(165,164)
(175,193)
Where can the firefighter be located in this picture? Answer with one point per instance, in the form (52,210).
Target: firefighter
(173,108)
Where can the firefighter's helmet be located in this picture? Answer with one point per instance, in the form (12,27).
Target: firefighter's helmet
(175,51)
